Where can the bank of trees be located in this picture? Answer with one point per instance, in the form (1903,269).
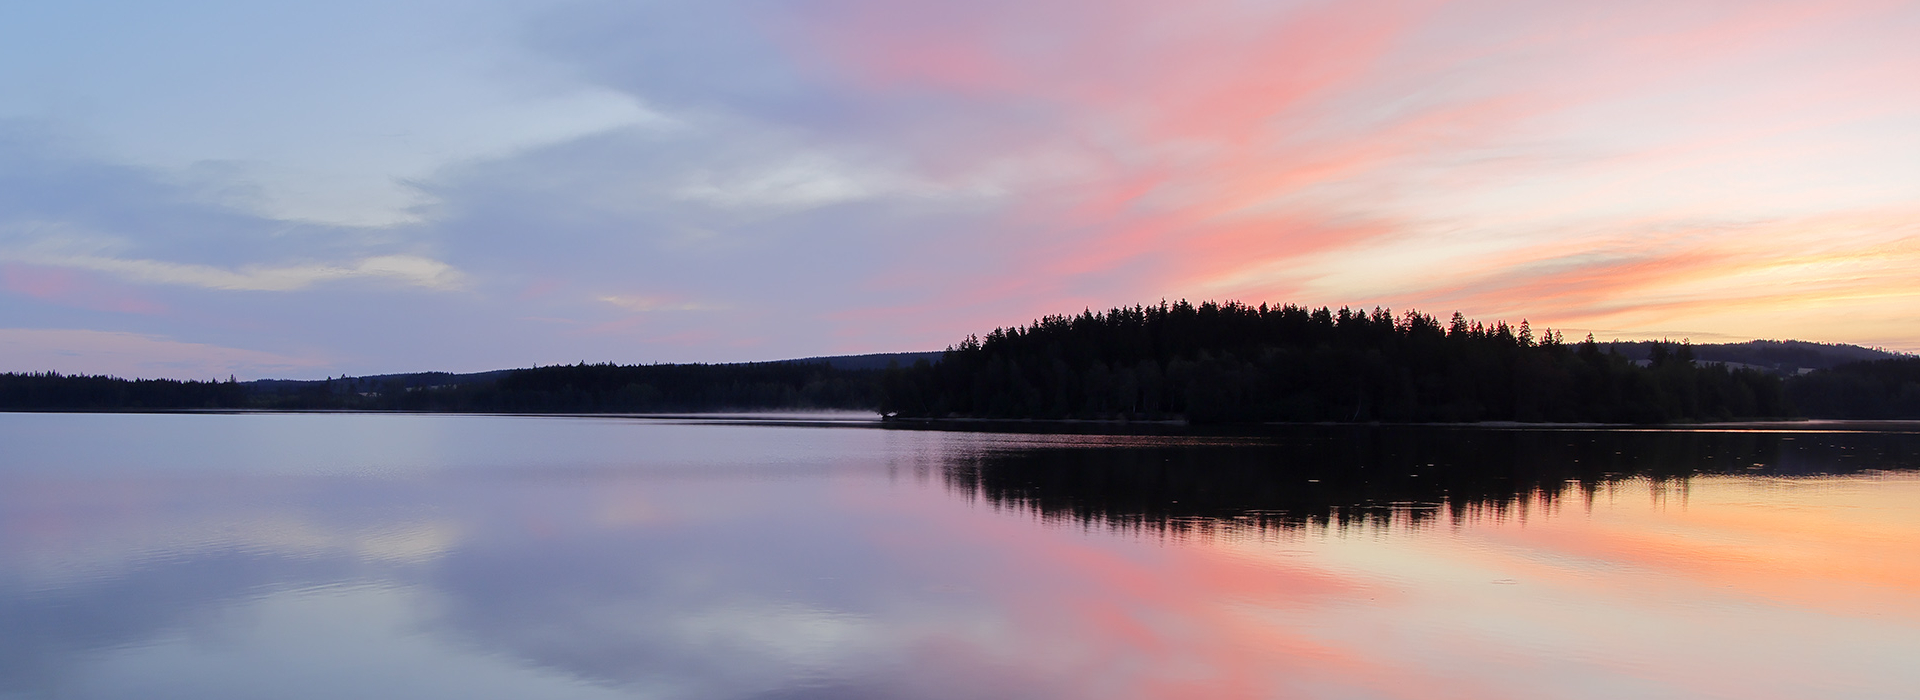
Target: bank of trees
(581,388)
(1231,362)
(684,387)
(1877,389)
(1206,363)
(52,391)
(595,388)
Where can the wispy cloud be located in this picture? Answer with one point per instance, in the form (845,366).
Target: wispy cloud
(70,288)
(411,270)
(801,182)
(653,303)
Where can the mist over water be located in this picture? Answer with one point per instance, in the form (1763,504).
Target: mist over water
(218,556)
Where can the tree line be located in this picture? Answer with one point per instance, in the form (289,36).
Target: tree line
(53,391)
(580,388)
(1223,362)
(1235,363)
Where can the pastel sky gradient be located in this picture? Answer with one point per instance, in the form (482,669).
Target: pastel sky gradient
(273,189)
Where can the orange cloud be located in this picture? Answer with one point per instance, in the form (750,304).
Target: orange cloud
(1637,164)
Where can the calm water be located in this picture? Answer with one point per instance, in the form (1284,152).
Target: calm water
(330,556)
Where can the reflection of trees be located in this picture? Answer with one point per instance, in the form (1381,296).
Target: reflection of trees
(1378,476)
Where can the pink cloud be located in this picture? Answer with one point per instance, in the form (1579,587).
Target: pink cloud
(1222,149)
(69,288)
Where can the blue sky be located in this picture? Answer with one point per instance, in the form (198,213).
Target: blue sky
(198,189)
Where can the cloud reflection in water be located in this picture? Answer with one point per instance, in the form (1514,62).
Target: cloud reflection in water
(849,562)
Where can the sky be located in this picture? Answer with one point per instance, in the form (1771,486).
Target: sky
(205,188)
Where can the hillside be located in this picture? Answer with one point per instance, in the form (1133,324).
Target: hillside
(1784,357)
(1876,389)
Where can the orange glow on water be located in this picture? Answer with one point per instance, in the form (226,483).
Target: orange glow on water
(585,551)
(1626,585)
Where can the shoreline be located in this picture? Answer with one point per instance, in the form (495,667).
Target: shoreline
(851,418)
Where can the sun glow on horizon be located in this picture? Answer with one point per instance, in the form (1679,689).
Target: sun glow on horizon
(868,176)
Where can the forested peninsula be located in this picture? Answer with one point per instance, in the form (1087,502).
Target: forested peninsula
(1235,363)
(1200,363)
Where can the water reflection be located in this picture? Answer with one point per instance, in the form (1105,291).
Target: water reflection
(1345,476)
(541,558)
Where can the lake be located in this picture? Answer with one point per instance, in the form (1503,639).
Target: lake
(214,556)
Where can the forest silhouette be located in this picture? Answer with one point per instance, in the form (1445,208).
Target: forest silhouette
(1236,363)
(1208,363)
(580,388)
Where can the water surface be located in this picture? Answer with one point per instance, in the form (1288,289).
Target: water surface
(244,556)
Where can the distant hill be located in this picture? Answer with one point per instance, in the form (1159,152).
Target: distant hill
(410,380)
(848,382)
(423,380)
(873,361)
(1873,389)
(1784,357)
